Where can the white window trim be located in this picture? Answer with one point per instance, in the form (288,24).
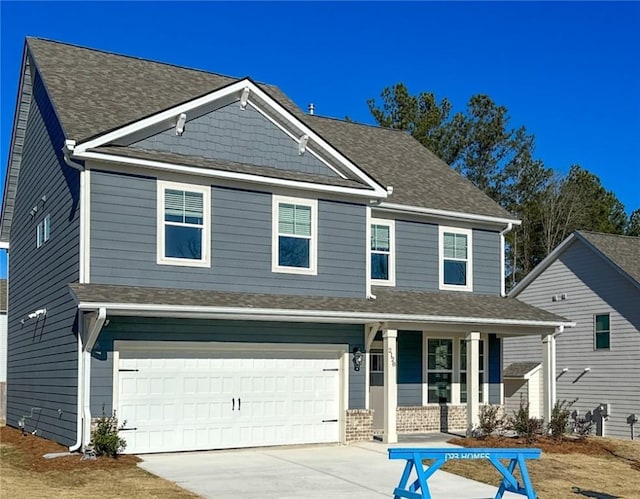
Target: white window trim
(484,368)
(392,251)
(454,371)
(46,228)
(40,234)
(313,244)
(205,261)
(469,234)
(595,336)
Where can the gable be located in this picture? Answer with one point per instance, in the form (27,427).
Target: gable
(245,136)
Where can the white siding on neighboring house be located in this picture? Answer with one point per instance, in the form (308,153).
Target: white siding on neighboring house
(592,286)
(3,367)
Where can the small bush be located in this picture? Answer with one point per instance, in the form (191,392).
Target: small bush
(520,419)
(105,439)
(560,418)
(490,422)
(523,425)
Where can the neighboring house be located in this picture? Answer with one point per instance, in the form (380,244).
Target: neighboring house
(594,280)
(221,269)
(3,350)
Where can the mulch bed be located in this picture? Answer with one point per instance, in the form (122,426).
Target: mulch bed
(32,448)
(566,445)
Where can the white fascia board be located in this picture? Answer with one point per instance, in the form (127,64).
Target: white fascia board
(206,172)
(452,215)
(305,315)
(160,117)
(237,87)
(541,267)
(4,245)
(381,190)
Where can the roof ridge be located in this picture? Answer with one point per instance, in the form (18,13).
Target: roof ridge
(138,58)
(376,127)
(609,234)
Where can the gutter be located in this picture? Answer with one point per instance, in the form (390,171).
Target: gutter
(502,233)
(455,215)
(134,309)
(67,151)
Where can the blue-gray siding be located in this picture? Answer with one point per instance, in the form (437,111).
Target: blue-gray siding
(410,368)
(122,328)
(123,243)
(42,354)
(241,136)
(417,258)
(592,287)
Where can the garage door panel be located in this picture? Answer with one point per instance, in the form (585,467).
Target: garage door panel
(189,403)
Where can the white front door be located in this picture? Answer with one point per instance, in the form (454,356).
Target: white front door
(196,401)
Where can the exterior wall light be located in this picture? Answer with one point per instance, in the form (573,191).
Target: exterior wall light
(358,358)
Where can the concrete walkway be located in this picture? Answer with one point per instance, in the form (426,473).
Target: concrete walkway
(358,471)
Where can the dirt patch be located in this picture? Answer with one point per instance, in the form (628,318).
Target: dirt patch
(32,448)
(596,467)
(27,475)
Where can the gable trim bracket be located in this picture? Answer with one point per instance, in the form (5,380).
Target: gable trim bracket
(240,91)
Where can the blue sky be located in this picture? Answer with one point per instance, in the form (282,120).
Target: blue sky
(569,72)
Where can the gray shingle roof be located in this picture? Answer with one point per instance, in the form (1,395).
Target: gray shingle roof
(94,92)
(519,369)
(388,302)
(623,251)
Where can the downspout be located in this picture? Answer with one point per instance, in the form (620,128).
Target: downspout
(75,447)
(83,426)
(67,150)
(502,278)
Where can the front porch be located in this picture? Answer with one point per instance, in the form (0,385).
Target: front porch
(429,387)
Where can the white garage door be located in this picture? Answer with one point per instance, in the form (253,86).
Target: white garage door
(214,401)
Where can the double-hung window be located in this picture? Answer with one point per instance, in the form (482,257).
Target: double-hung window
(183,224)
(463,371)
(455,265)
(295,235)
(602,331)
(381,249)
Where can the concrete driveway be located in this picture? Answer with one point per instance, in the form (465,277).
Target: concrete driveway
(358,471)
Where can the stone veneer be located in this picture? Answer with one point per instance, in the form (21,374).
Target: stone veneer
(359,424)
(427,418)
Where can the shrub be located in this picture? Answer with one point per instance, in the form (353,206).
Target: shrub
(490,422)
(105,439)
(523,425)
(560,418)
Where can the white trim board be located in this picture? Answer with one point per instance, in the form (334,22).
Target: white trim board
(157,310)
(233,91)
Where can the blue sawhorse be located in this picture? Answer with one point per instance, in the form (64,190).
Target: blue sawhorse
(419,489)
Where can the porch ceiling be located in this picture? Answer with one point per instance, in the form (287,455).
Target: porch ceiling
(424,310)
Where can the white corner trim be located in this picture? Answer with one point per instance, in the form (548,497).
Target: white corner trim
(313,239)
(207,172)
(205,190)
(367,243)
(453,215)
(85,227)
(391,281)
(4,245)
(455,230)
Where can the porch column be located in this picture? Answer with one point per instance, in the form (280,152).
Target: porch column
(389,337)
(473,387)
(549,374)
